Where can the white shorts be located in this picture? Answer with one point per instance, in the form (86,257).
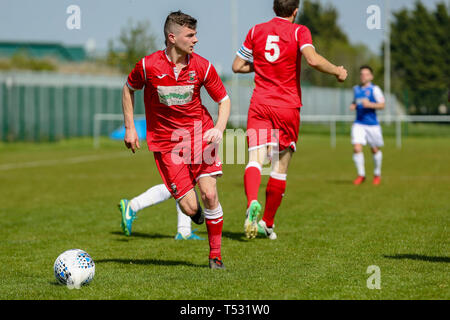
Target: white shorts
(365,134)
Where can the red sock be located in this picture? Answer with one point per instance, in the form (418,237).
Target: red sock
(274,195)
(252,180)
(214,227)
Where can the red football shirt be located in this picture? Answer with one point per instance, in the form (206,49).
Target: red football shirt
(172,101)
(275,48)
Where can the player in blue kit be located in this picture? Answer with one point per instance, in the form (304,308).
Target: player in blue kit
(366,129)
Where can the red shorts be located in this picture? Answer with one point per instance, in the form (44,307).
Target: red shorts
(269,125)
(181,169)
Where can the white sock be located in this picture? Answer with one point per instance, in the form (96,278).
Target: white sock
(152,196)
(358,158)
(377,159)
(213,213)
(184,222)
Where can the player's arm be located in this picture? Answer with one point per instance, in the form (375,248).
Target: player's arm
(216,90)
(215,135)
(242,66)
(379,98)
(373,105)
(353,105)
(131,137)
(243,62)
(321,64)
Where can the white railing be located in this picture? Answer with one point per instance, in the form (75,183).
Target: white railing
(331,119)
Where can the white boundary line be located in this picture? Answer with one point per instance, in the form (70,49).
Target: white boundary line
(75,160)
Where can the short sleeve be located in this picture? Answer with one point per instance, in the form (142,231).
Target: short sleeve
(213,84)
(303,37)
(136,78)
(378,95)
(246,50)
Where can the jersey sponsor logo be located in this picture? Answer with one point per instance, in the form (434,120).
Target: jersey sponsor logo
(175,95)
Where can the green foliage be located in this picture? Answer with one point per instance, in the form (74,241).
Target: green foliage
(134,43)
(420,44)
(22,60)
(321,21)
(332,43)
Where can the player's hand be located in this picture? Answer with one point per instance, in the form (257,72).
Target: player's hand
(132,139)
(353,107)
(213,135)
(341,74)
(366,103)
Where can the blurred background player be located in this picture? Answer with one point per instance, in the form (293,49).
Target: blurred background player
(180,130)
(273,50)
(366,129)
(151,197)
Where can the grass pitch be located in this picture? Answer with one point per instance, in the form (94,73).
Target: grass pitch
(64,195)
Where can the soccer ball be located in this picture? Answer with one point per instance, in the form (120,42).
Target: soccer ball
(74,268)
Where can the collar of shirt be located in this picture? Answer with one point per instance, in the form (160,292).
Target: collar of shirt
(175,70)
(285,19)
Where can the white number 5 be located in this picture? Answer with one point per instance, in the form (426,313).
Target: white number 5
(271,44)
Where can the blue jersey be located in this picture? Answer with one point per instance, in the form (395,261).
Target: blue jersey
(374,94)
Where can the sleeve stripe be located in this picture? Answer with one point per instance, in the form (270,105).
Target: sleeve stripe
(224,99)
(246,50)
(207,71)
(129,86)
(306,45)
(253,32)
(143,67)
(240,55)
(296,31)
(245,54)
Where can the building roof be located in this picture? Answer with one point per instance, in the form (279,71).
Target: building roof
(43,50)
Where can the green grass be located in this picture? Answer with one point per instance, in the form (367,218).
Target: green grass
(329,231)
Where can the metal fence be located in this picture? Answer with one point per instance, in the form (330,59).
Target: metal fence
(48,106)
(51,106)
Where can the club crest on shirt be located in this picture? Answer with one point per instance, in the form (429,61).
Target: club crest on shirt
(192,75)
(173,186)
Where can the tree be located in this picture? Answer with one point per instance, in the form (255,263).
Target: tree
(321,21)
(420,43)
(135,42)
(332,42)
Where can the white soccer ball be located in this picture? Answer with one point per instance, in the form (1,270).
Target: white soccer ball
(74,268)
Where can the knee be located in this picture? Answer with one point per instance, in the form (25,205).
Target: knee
(209,198)
(357,148)
(189,208)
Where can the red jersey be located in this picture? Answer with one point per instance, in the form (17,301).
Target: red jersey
(275,47)
(172,101)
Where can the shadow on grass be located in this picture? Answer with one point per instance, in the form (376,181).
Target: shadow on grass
(142,235)
(341,181)
(237,236)
(156,262)
(418,257)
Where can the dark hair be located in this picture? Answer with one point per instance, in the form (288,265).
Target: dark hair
(285,8)
(181,19)
(366,67)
